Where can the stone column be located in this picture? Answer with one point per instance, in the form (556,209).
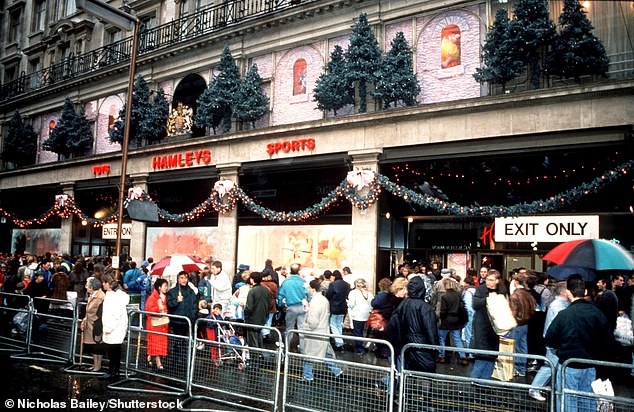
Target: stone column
(137,243)
(365,223)
(66,239)
(227,245)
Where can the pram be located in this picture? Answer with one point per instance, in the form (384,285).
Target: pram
(237,352)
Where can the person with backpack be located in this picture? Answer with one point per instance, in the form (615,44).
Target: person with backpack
(129,279)
(145,286)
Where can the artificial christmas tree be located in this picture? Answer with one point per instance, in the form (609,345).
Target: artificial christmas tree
(576,51)
(20,144)
(216,103)
(500,63)
(333,89)
(363,58)
(251,102)
(72,134)
(145,117)
(533,32)
(157,119)
(396,80)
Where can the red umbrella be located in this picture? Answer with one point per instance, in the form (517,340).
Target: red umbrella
(172,265)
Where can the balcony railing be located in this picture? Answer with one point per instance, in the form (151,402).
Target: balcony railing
(176,32)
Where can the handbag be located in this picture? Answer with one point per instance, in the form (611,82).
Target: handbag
(500,314)
(376,321)
(159,320)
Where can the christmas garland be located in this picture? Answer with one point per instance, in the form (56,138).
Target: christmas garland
(225,196)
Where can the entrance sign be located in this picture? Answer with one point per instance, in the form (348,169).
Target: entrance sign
(546,228)
(109,231)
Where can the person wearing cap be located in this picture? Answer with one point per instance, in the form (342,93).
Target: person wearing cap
(439,290)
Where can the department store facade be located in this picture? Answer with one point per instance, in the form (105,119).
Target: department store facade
(463,140)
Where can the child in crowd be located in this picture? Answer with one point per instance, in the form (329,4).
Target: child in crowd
(212,330)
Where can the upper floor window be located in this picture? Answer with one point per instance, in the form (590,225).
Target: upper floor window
(201,4)
(187,7)
(450,46)
(15,20)
(10,73)
(39,15)
(35,66)
(65,8)
(299,77)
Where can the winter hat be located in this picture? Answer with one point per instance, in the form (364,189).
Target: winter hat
(445,272)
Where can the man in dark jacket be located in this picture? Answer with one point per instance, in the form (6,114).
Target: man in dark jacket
(484,337)
(579,331)
(256,310)
(337,294)
(182,300)
(414,321)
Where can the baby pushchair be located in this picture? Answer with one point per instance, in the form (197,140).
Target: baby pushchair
(238,352)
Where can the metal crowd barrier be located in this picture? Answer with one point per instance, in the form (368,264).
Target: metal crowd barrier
(15,322)
(52,336)
(358,387)
(227,371)
(572,400)
(139,374)
(426,391)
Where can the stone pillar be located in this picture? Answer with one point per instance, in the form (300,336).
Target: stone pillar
(365,223)
(227,246)
(66,239)
(137,243)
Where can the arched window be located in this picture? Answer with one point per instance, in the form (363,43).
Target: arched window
(299,77)
(450,46)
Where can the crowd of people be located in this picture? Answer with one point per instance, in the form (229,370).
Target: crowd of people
(419,304)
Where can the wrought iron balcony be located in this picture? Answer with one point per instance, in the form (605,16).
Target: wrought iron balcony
(202,23)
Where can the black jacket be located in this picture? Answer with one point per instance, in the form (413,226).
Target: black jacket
(188,307)
(484,337)
(337,295)
(256,310)
(452,312)
(414,321)
(580,331)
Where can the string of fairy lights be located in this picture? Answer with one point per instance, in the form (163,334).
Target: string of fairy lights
(345,190)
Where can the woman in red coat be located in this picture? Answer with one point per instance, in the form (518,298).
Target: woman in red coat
(157,343)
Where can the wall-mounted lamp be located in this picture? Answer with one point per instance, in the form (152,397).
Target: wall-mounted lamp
(388,215)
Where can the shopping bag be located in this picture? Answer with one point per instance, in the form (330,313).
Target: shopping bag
(623,332)
(159,320)
(603,387)
(500,314)
(503,369)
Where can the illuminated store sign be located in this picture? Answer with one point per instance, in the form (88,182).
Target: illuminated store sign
(101,169)
(287,146)
(185,159)
(546,228)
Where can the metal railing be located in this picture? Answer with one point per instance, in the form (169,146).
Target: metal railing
(225,370)
(587,401)
(176,356)
(314,383)
(53,331)
(179,31)
(221,370)
(443,392)
(15,322)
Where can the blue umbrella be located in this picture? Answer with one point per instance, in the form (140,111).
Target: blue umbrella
(562,272)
